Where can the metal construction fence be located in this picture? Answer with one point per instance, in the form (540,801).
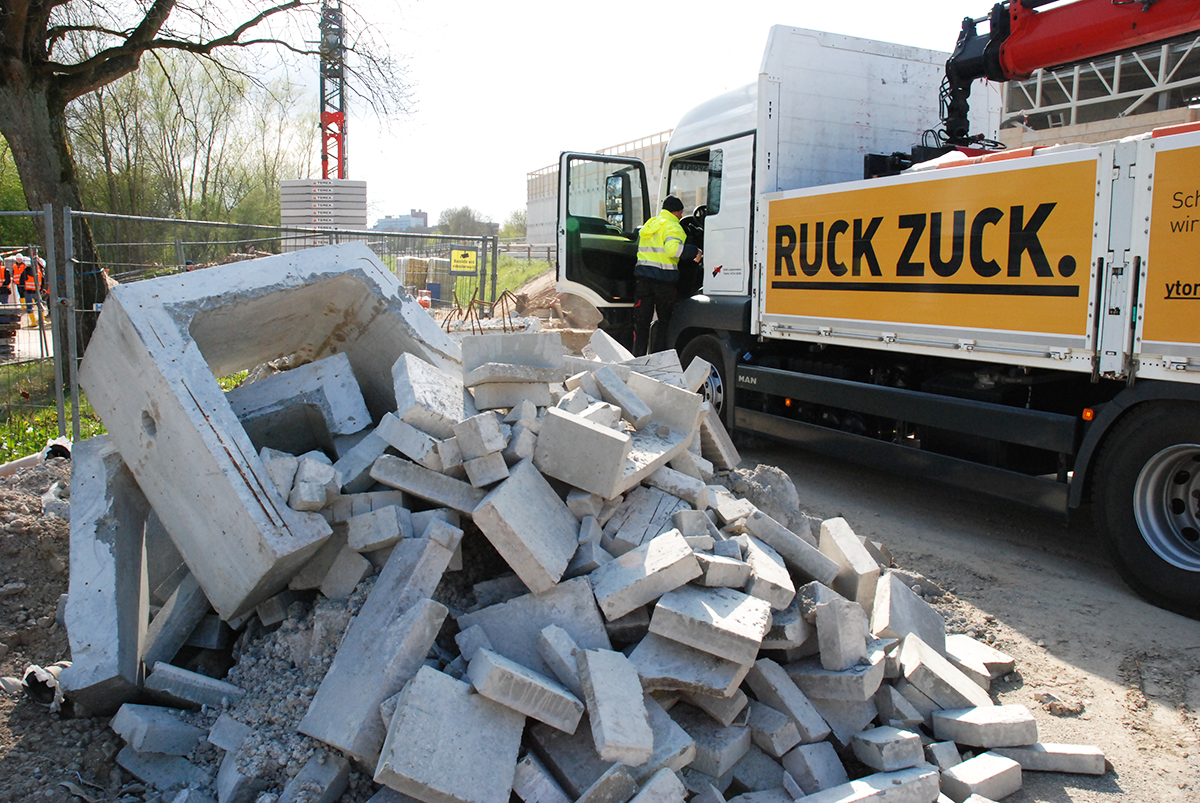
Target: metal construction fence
(38,375)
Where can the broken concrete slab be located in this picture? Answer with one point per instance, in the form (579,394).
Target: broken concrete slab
(935,677)
(524,690)
(558,649)
(504,395)
(381,649)
(988,774)
(722,572)
(530,526)
(415,444)
(185,689)
(355,465)
(617,712)
(571,758)
(720,621)
(678,484)
(642,575)
(326,389)
(887,749)
(583,454)
(773,731)
(513,627)
(524,357)
(859,573)
(841,634)
(228,734)
(616,785)
(897,611)
(1051,757)
(533,783)
(755,771)
(479,435)
(789,629)
(696,373)
(845,718)
(669,665)
(808,562)
(160,770)
(428,398)
(769,578)
(988,727)
(663,786)
(856,684)
(344,574)
(107,606)
(607,349)
(322,779)
(644,514)
(718,748)
(149,728)
(771,685)
(439,489)
(435,712)
(815,767)
(522,444)
(673,748)
(380,528)
(174,622)
(486,470)
(726,710)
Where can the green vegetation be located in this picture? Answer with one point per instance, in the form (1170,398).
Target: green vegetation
(512,273)
(28,411)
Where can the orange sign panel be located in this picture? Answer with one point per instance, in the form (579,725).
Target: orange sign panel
(1006,250)
(1172,283)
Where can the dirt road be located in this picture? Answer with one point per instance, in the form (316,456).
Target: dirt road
(1077,632)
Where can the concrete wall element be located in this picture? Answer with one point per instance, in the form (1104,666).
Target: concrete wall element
(450,745)
(108,604)
(327,385)
(620,724)
(151,368)
(486,356)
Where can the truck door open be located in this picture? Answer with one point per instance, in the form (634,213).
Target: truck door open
(602,202)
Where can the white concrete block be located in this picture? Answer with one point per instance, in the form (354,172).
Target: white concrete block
(524,357)
(716,445)
(692,464)
(574,402)
(443,491)
(804,560)
(934,676)
(522,444)
(415,444)
(524,690)
(281,468)
(726,710)
(897,611)
(962,650)
(583,454)
(769,578)
(107,606)
(721,572)
(533,783)
(841,634)
(149,728)
(720,621)
(430,399)
(530,527)
(433,712)
(666,664)
(486,470)
(942,755)
(773,731)
(479,435)
(990,726)
(988,774)
(504,395)
(524,411)
(327,385)
(184,688)
(644,574)
(619,722)
(604,414)
(322,779)
(887,749)
(664,786)
(859,573)
(1050,757)
(691,490)
(614,391)
(379,528)
(696,373)
(608,349)
(718,748)
(914,785)
(815,767)
(772,686)
(584,380)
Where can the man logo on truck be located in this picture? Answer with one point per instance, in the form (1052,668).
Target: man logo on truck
(815,247)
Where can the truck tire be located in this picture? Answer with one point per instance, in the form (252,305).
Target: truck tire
(717,389)
(1147,503)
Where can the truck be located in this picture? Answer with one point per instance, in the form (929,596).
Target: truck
(1023,324)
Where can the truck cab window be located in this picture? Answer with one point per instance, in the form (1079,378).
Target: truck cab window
(605,196)
(695,179)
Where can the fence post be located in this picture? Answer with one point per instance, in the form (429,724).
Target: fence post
(495,265)
(54,302)
(179,257)
(72,336)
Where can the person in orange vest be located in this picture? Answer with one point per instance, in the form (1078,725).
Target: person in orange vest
(5,277)
(31,283)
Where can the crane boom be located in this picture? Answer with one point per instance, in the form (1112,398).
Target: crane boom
(1021,39)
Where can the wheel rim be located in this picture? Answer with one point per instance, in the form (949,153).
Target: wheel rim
(713,391)
(1166,504)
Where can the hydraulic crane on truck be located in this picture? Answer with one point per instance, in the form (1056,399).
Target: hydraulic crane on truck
(1022,39)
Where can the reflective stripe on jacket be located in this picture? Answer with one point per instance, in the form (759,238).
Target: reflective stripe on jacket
(660,245)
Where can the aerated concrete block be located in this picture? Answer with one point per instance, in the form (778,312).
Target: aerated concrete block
(530,526)
(503,395)
(525,357)
(990,726)
(616,785)
(841,634)
(383,648)
(428,398)
(174,622)
(524,690)
(522,444)
(696,373)
(604,414)
(574,402)
(415,444)
(108,605)
(514,626)
(355,465)
(964,651)
(584,503)
(379,528)
(281,468)
(887,749)
(272,612)
(769,578)
(897,611)
(228,734)
(815,767)
(644,514)
(895,707)
(644,574)
(716,445)
(344,574)
(845,717)
(669,665)
(676,483)
(607,349)
(772,686)
(789,630)
(486,470)
(856,684)
(148,728)
(858,574)
(664,786)
(726,710)
(533,783)
(437,488)
(721,572)
(448,744)
(614,391)
(181,687)
(988,774)
(1050,757)
(718,748)
(934,676)
(755,771)
(942,755)
(805,560)
(719,621)
(914,785)
(773,731)
(570,757)
(558,650)
(322,779)
(583,454)
(619,722)
(479,435)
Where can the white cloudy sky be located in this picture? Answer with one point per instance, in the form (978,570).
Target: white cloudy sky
(502,87)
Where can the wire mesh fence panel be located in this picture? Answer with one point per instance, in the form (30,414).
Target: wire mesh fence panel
(28,409)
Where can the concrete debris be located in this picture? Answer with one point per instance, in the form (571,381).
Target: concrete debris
(423,546)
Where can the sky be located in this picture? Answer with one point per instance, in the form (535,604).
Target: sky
(500,88)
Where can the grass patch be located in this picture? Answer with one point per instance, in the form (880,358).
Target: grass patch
(29,413)
(510,275)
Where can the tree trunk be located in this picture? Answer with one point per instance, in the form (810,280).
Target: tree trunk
(34,125)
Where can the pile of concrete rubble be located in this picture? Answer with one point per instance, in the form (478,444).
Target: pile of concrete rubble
(649,636)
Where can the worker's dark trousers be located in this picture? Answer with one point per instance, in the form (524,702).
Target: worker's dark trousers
(651,296)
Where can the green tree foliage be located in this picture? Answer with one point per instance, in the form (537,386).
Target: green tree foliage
(514,227)
(464,220)
(14,231)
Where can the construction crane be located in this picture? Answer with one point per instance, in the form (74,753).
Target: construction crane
(1021,40)
(333,95)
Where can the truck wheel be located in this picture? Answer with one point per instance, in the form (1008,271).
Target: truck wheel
(716,390)
(1148,503)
